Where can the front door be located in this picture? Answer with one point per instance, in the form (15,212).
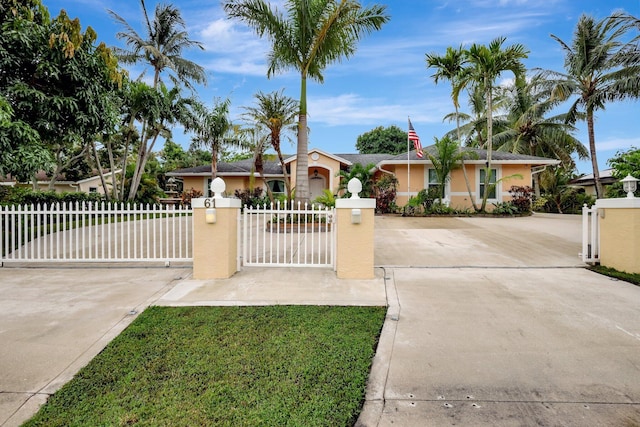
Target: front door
(316,186)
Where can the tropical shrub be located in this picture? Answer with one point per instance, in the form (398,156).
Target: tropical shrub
(252,198)
(385,190)
(521,197)
(504,208)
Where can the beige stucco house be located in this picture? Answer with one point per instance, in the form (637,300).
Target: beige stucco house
(413,174)
(92,184)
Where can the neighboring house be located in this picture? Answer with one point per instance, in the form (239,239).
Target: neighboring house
(62,185)
(507,169)
(588,183)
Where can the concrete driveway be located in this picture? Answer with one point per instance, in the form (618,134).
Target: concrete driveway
(491,323)
(496,327)
(53,321)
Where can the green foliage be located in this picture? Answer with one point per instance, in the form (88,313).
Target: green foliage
(26,196)
(600,67)
(558,196)
(252,198)
(232,366)
(624,163)
(307,38)
(363,173)
(504,208)
(58,83)
(447,158)
(389,140)
(327,198)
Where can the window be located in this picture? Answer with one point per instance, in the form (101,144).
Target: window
(277,186)
(492,182)
(93,189)
(433,186)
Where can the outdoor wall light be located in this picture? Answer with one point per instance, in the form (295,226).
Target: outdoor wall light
(210,216)
(356,216)
(629,184)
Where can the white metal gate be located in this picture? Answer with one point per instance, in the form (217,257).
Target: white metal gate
(88,232)
(590,235)
(292,236)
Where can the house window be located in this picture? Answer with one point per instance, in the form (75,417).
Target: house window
(276,186)
(93,189)
(433,186)
(492,183)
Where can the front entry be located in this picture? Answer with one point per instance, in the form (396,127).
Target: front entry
(317,184)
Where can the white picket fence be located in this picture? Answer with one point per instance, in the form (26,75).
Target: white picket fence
(292,236)
(590,235)
(95,232)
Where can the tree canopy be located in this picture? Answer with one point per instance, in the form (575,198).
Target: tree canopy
(389,140)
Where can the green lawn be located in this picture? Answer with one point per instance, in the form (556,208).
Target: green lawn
(227,366)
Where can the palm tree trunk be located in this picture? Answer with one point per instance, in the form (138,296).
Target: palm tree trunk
(464,168)
(594,159)
(487,175)
(302,168)
(100,172)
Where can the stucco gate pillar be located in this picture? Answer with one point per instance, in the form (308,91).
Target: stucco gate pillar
(619,225)
(215,234)
(354,240)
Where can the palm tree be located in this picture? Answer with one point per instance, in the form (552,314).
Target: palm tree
(451,67)
(162,45)
(168,109)
(313,35)
(212,128)
(599,68)
(448,156)
(277,113)
(363,173)
(529,131)
(486,63)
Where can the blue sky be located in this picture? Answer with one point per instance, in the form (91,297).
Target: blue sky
(387,80)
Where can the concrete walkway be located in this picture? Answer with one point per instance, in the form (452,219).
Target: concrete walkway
(490,322)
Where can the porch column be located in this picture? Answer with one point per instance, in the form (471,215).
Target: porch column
(215,234)
(354,240)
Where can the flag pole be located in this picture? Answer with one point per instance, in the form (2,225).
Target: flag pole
(408,167)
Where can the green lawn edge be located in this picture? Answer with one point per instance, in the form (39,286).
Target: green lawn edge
(226,366)
(633,278)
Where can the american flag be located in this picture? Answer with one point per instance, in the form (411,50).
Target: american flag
(413,136)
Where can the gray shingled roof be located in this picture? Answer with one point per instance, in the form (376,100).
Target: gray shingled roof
(274,168)
(478,154)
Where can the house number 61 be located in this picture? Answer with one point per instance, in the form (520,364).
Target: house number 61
(209,203)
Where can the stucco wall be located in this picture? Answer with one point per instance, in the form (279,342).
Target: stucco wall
(620,239)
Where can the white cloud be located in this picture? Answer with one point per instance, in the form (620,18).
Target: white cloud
(353,109)
(615,144)
(235,49)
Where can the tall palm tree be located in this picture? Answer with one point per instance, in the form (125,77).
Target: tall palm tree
(313,35)
(450,67)
(161,46)
(276,113)
(599,68)
(486,64)
(212,128)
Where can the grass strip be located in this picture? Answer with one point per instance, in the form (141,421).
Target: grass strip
(620,275)
(226,366)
